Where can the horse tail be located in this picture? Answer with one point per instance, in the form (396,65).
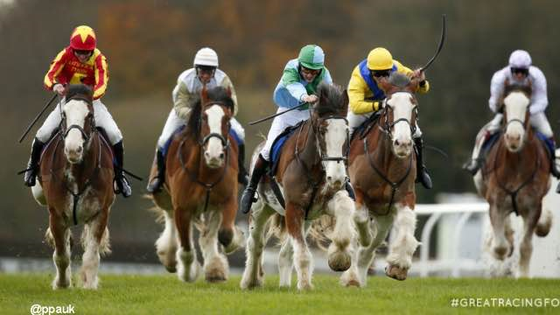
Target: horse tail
(321,231)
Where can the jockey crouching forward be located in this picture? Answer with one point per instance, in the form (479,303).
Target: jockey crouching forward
(298,85)
(189,85)
(80,62)
(366,97)
(519,70)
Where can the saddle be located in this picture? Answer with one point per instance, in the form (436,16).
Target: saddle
(277,145)
(364,129)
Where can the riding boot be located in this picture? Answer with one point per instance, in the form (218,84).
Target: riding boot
(350,190)
(123,187)
(553,167)
(33,164)
(248,196)
(242,176)
(422,175)
(155,184)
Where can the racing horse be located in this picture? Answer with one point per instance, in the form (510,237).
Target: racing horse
(514,179)
(75,182)
(310,178)
(200,188)
(382,168)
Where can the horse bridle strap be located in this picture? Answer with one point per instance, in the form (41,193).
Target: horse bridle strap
(82,131)
(225,142)
(326,158)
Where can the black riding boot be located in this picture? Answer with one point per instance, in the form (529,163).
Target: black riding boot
(242,176)
(553,168)
(33,164)
(248,196)
(421,171)
(155,184)
(123,187)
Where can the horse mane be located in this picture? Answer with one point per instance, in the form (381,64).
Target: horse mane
(331,100)
(399,79)
(217,94)
(79,92)
(525,88)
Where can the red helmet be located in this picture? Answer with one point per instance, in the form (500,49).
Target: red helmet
(83,38)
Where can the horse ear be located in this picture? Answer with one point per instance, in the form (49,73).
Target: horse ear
(345,99)
(204,94)
(384,84)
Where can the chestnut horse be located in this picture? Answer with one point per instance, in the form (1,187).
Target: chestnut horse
(201,188)
(382,168)
(515,178)
(311,174)
(76,184)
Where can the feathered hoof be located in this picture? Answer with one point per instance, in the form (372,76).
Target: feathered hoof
(340,261)
(396,272)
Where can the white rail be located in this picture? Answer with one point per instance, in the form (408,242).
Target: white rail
(436,211)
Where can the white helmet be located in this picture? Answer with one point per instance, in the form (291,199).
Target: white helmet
(206,57)
(520,59)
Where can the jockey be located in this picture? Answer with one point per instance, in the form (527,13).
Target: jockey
(189,85)
(80,62)
(297,85)
(521,71)
(367,98)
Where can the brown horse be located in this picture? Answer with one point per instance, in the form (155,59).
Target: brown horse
(382,168)
(201,187)
(311,174)
(515,178)
(76,185)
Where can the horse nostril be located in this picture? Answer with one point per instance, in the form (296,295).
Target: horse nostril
(329,178)
(222,155)
(79,149)
(206,155)
(397,142)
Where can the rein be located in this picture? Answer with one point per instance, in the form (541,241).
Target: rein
(386,130)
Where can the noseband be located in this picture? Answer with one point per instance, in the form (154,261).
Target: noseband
(85,135)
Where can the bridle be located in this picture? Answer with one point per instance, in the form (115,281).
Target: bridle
(223,139)
(386,126)
(86,135)
(324,157)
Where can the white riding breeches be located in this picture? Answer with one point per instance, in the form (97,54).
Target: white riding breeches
(175,122)
(537,120)
(279,124)
(102,117)
(355,120)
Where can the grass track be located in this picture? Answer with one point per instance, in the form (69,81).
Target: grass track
(167,295)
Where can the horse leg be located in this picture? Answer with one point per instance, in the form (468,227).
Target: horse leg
(402,249)
(302,256)
(95,241)
(362,223)
(229,235)
(341,249)
(544,224)
(215,264)
(59,235)
(358,272)
(166,244)
(252,275)
(501,247)
(285,263)
(188,267)
(526,247)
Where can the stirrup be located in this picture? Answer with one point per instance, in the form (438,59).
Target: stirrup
(155,185)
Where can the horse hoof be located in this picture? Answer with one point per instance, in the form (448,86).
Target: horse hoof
(501,252)
(396,272)
(225,237)
(352,283)
(171,269)
(340,261)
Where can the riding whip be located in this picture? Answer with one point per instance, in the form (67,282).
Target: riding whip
(37,118)
(440,46)
(277,114)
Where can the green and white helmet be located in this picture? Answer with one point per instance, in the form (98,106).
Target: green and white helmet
(312,57)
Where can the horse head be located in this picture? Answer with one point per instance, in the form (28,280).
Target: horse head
(77,123)
(516,111)
(330,127)
(399,111)
(217,108)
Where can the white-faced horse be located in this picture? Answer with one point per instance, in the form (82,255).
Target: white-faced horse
(514,178)
(76,184)
(311,174)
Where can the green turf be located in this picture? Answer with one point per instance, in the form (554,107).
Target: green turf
(167,295)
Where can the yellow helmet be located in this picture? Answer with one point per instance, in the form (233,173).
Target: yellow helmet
(379,59)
